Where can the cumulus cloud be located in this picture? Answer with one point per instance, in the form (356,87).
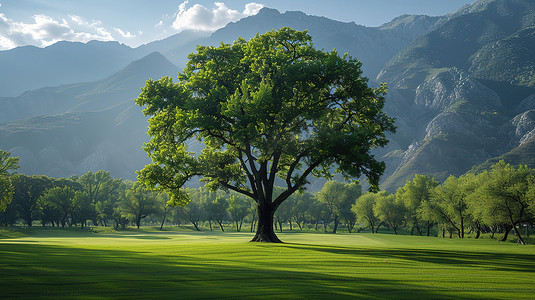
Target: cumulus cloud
(124,34)
(201,18)
(45,30)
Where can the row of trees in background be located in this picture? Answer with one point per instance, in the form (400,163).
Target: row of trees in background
(93,197)
(501,199)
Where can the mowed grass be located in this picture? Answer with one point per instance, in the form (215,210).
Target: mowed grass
(204,265)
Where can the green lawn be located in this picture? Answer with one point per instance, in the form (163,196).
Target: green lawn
(198,265)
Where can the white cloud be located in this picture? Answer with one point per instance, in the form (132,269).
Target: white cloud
(201,18)
(45,30)
(125,34)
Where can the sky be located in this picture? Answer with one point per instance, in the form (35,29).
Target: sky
(135,22)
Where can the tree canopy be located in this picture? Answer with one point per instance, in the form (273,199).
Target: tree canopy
(273,106)
(7,163)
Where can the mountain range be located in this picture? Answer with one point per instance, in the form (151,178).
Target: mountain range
(461,86)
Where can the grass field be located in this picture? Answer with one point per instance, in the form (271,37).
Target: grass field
(56,264)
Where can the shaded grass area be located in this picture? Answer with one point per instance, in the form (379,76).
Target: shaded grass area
(184,265)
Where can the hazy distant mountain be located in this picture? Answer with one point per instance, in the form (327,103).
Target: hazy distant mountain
(93,96)
(27,68)
(74,143)
(82,127)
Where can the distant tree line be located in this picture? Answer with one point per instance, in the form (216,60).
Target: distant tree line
(500,200)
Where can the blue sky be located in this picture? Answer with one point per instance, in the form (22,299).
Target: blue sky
(135,22)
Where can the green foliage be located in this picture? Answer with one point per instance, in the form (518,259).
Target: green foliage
(28,189)
(338,198)
(238,209)
(138,203)
(6,192)
(57,204)
(390,210)
(449,202)
(364,209)
(7,164)
(416,195)
(269,107)
(503,196)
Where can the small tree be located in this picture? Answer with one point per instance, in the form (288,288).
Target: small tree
(217,210)
(450,205)
(269,107)
(193,212)
(7,164)
(238,209)
(415,196)
(58,202)
(28,189)
(389,210)
(338,198)
(364,209)
(139,203)
(83,209)
(503,197)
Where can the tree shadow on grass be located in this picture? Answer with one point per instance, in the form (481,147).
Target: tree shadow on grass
(487,260)
(30,271)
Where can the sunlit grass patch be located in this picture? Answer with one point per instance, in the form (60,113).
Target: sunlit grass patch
(182,264)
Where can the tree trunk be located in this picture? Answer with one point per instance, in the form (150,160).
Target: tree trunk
(210,223)
(520,239)
(298,225)
(335,223)
(378,226)
(478,230)
(290,220)
(506,233)
(462,228)
(163,221)
(221,226)
(264,230)
(428,227)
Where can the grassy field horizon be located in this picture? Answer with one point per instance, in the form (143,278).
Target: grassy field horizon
(53,263)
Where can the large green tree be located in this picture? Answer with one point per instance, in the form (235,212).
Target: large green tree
(270,107)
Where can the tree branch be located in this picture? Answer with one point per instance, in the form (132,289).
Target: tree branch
(236,189)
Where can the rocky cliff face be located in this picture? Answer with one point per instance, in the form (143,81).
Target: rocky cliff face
(472,84)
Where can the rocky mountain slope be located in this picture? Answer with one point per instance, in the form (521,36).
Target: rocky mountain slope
(467,84)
